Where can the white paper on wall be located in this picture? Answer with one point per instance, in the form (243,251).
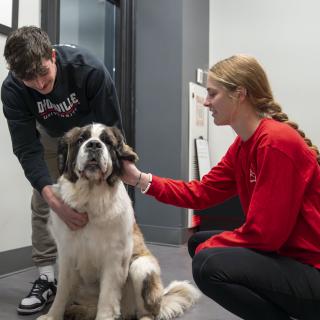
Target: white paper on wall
(6,12)
(198,130)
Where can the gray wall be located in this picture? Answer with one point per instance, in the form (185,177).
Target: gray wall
(171,43)
(82,22)
(15,217)
(288,48)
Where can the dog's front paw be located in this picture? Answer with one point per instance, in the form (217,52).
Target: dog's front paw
(102,317)
(107,314)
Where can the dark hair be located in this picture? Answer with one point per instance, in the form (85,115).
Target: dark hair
(24,51)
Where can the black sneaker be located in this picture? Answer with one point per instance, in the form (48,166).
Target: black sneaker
(42,292)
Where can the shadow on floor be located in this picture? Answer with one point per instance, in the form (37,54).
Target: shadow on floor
(175,264)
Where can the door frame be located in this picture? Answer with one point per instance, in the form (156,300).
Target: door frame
(125,54)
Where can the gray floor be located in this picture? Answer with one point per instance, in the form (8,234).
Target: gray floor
(175,264)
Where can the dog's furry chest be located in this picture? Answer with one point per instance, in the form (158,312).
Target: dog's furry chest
(106,238)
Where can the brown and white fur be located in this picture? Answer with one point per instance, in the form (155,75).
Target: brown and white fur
(106,271)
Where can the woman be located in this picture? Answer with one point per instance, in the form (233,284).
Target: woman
(269,267)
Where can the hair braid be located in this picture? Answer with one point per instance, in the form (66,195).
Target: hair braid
(243,70)
(274,110)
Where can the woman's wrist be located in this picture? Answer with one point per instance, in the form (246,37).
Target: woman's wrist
(142,180)
(147,184)
(138,180)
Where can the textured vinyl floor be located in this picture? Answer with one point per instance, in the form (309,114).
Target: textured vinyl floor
(175,264)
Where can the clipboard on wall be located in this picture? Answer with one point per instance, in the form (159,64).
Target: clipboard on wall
(203,157)
(198,129)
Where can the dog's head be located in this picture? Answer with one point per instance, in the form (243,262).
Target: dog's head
(94,152)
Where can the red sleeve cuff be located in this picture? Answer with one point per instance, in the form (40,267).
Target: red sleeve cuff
(155,186)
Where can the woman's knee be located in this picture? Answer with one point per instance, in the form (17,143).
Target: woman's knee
(215,264)
(199,237)
(204,265)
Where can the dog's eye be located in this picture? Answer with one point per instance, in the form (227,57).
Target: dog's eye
(80,140)
(104,138)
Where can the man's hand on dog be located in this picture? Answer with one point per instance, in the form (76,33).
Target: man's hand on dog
(73,219)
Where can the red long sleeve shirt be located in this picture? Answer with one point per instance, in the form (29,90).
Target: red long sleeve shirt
(277,178)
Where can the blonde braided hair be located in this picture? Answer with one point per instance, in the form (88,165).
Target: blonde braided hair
(245,71)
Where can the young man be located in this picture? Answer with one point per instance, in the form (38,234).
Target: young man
(49,90)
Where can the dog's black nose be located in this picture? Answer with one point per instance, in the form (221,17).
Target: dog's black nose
(94,145)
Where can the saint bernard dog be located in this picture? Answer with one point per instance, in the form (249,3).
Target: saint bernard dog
(106,272)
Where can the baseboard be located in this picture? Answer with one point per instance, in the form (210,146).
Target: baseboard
(165,235)
(19,259)
(14,260)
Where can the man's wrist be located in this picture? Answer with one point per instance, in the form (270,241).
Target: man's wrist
(47,194)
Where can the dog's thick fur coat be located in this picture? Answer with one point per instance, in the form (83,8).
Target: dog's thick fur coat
(106,271)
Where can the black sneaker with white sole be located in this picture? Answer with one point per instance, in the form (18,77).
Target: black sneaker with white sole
(42,292)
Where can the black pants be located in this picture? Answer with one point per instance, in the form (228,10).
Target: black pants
(256,285)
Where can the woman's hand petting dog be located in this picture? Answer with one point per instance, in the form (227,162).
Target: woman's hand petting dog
(130,173)
(133,176)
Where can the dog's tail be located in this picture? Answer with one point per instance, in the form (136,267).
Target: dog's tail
(177,298)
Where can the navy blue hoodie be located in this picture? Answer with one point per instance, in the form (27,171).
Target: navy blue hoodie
(83,93)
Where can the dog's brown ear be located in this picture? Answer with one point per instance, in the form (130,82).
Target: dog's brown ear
(119,151)
(124,151)
(64,154)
